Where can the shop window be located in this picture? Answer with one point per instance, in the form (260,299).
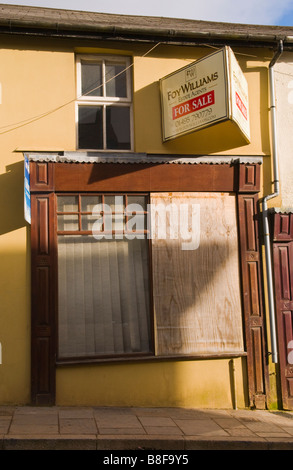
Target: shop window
(103,276)
(104,103)
(148,274)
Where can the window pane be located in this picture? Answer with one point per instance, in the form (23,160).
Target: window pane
(118,127)
(89,202)
(136,223)
(91,79)
(118,223)
(90,127)
(68,222)
(115,203)
(87,222)
(116,80)
(103,296)
(140,201)
(67,203)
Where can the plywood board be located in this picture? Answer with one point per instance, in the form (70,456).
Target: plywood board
(196,282)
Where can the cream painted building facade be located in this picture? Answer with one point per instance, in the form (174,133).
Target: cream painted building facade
(117,321)
(284,96)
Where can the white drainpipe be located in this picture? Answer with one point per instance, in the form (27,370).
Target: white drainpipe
(266,230)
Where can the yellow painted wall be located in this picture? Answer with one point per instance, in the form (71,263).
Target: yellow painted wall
(203,383)
(34,83)
(37,112)
(219,139)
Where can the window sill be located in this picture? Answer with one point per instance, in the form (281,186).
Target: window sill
(150,358)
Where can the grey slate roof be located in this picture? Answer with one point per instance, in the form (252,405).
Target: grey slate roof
(68,23)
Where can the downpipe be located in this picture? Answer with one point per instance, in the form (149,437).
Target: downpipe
(266,229)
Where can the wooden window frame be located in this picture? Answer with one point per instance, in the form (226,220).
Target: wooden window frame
(80,213)
(101,357)
(104,101)
(48,178)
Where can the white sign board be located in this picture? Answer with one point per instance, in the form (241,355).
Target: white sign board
(239,96)
(211,90)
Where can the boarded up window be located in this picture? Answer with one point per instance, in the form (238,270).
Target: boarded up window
(196,282)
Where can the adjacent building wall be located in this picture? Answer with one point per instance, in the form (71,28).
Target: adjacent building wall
(284,106)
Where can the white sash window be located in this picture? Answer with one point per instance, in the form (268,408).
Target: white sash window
(104,103)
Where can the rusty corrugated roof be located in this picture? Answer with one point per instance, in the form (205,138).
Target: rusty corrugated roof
(143,158)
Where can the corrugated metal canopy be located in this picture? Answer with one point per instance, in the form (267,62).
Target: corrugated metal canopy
(92,157)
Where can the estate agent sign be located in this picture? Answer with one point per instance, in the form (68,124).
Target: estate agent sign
(211,90)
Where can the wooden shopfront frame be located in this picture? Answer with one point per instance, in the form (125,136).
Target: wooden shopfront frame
(282,242)
(49,178)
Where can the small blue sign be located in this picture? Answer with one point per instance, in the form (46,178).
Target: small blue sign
(27,195)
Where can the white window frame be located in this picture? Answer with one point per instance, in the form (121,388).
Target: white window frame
(104,101)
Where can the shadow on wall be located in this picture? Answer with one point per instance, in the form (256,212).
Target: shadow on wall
(216,138)
(221,137)
(261,103)
(12,198)
(197,299)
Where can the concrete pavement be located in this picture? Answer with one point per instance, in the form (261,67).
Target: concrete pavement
(169,429)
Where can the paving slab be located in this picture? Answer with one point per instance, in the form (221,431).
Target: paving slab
(35,419)
(240,432)
(200,427)
(35,411)
(156,421)
(163,430)
(263,426)
(111,420)
(229,423)
(7,410)
(77,426)
(288,429)
(149,429)
(76,413)
(33,429)
(5,422)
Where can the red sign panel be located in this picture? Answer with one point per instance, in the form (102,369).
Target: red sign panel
(195,104)
(241,105)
